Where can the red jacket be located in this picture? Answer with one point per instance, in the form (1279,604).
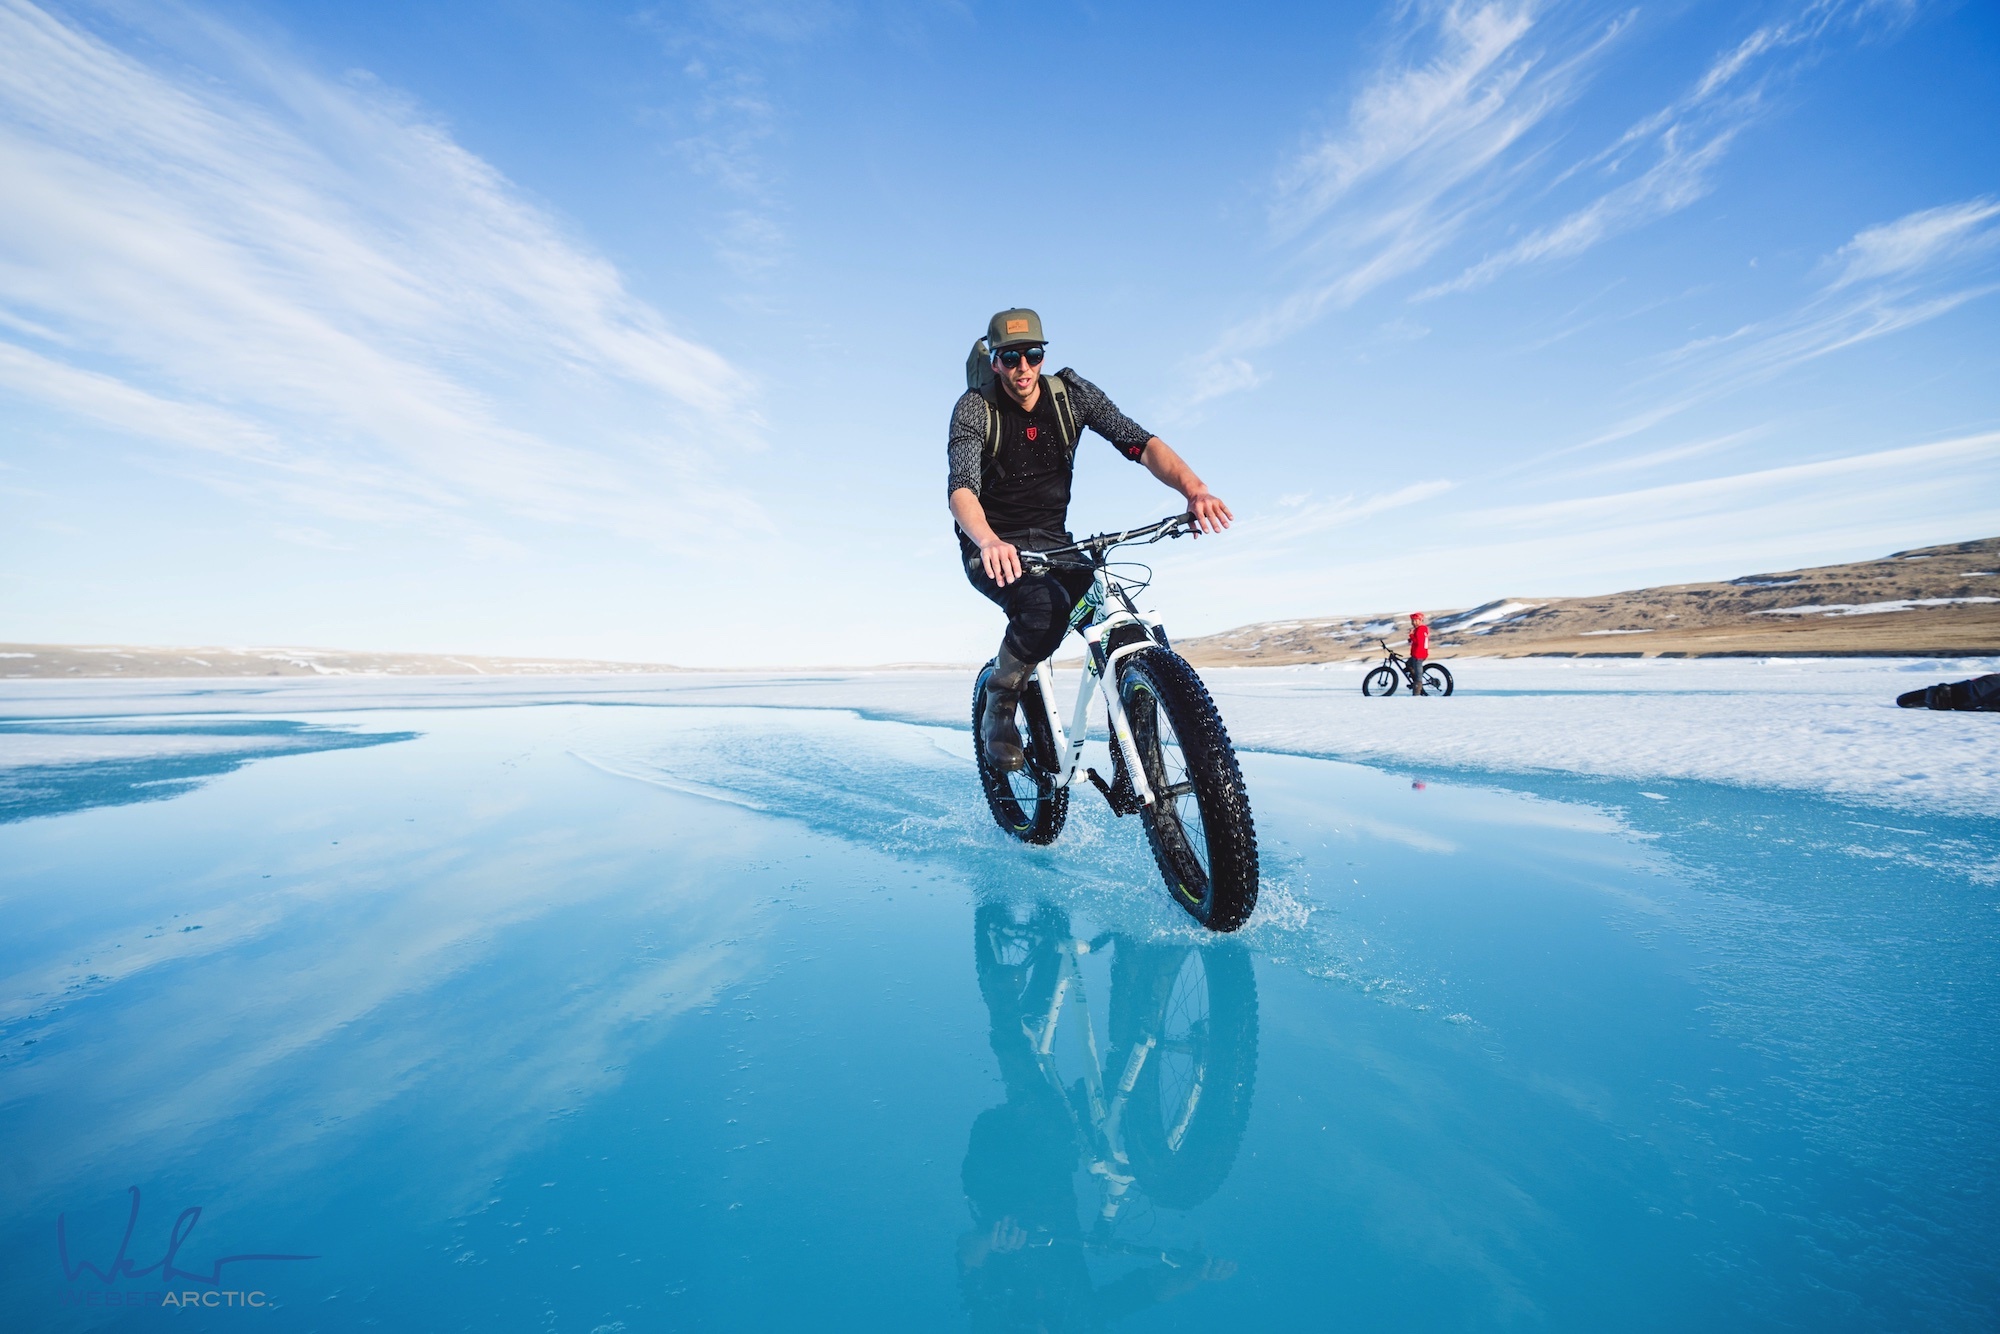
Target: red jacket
(1420,641)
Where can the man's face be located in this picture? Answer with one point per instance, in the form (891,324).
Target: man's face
(1020,379)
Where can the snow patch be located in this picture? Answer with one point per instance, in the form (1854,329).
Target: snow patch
(1488,614)
(1866,608)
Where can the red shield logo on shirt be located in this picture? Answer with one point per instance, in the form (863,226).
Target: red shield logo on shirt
(1031,433)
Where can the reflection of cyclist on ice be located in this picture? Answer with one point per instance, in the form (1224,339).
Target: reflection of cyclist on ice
(1013,456)
(1023,1265)
(1160,1120)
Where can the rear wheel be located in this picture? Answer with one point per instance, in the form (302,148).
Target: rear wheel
(1381,681)
(1437,678)
(1199,823)
(1029,803)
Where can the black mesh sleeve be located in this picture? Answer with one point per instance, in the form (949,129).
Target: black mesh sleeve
(1095,409)
(966,442)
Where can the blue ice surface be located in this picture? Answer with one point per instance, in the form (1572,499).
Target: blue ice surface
(623,1018)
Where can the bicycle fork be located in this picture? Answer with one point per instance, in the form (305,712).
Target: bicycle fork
(1107,1118)
(1070,741)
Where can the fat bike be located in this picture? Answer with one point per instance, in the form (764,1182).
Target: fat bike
(1172,763)
(1399,669)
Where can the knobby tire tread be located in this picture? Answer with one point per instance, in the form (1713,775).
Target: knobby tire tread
(1231,833)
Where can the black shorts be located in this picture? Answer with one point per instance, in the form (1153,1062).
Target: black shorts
(1038,605)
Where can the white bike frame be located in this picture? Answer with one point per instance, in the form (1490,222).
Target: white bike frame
(1110,607)
(1106,1105)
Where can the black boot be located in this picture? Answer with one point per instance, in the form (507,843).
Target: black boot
(997,732)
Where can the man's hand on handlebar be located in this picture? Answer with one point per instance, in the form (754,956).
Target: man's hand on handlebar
(1000,560)
(1210,514)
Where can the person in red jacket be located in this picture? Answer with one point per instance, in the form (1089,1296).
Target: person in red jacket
(1420,651)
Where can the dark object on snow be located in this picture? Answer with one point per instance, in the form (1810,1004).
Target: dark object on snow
(1981,694)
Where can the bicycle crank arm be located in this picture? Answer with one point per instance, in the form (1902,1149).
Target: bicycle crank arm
(1120,797)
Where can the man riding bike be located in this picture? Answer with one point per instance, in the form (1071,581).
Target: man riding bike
(1012,449)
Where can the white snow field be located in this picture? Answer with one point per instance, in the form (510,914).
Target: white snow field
(1820,725)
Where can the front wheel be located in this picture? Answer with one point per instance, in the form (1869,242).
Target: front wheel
(1030,803)
(1381,681)
(1437,678)
(1199,822)
(1195,1010)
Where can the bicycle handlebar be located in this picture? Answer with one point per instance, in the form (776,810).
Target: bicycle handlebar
(1095,547)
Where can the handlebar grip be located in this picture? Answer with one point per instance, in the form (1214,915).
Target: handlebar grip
(1029,561)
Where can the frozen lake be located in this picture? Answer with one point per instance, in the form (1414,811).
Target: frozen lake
(604,1007)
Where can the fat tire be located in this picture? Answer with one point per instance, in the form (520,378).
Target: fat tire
(1437,679)
(1181,1172)
(1229,895)
(1381,681)
(1044,824)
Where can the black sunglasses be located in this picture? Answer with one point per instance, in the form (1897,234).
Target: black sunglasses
(1010,357)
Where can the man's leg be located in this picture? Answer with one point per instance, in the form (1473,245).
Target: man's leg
(1037,607)
(1417,676)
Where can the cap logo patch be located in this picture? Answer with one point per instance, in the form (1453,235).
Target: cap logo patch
(1017,326)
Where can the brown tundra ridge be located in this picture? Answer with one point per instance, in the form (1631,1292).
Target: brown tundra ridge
(1930,602)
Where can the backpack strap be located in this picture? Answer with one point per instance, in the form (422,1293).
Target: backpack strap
(1065,417)
(992,425)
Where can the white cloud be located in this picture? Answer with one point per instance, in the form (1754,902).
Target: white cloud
(311,281)
(1442,114)
(1268,540)
(1433,139)
(1918,241)
(1688,140)
(1682,502)
(1891,277)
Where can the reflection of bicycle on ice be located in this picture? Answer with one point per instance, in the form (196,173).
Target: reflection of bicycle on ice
(1399,669)
(1172,762)
(1155,1113)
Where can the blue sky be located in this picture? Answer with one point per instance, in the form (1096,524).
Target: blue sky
(633,330)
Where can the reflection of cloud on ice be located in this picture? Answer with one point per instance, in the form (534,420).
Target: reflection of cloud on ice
(421,991)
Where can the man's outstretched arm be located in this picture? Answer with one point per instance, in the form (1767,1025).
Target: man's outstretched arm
(1211,515)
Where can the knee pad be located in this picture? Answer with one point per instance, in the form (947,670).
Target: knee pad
(1037,617)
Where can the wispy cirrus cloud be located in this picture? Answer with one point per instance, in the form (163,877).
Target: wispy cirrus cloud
(1437,135)
(1890,277)
(1682,144)
(1427,144)
(1455,130)
(317,295)
(727,125)
(1926,239)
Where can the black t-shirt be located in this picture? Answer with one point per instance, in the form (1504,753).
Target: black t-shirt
(1027,483)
